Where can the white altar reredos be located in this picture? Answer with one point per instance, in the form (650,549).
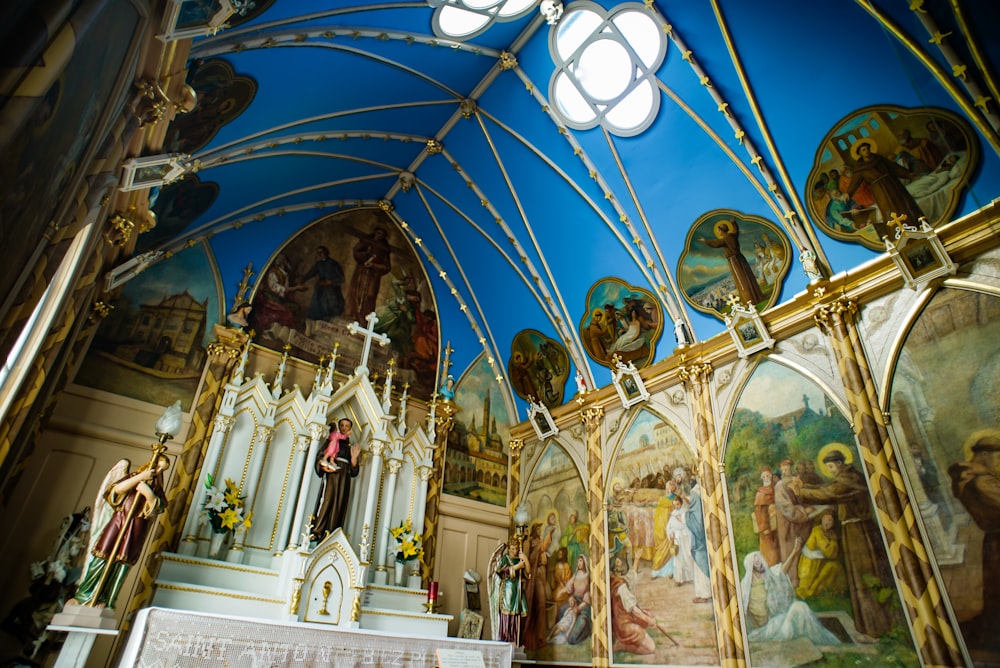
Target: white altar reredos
(266,440)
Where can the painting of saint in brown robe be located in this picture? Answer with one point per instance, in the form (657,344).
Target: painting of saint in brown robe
(373,256)
(864,557)
(976,483)
(883,176)
(727,237)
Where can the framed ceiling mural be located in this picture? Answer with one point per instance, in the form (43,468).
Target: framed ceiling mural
(623,320)
(538,368)
(222,96)
(816,585)
(657,550)
(151,346)
(883,160)
(946,423)
(337,271)
(730,256)
(476,459)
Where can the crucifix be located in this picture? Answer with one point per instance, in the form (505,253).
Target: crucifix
(369,334)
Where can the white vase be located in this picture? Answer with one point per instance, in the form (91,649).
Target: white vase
(398,573)
(216,544)
(413,579)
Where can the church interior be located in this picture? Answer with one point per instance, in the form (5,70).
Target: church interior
(390,321)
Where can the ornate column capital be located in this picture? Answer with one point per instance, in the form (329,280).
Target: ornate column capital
(591,417)
(394,466)
(694,372)
(316,431)
(425,473)
(378,447)
(264,433)
(516,445)
(825,314)
(223,423)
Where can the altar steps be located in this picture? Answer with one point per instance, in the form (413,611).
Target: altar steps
(219,587)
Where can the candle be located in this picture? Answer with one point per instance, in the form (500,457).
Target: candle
(432,591)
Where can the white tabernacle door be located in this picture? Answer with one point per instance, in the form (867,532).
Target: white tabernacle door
(266,440)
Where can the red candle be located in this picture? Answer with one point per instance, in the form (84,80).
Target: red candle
(432,591)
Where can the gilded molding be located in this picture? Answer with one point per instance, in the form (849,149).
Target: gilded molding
(508,60)
(824,313)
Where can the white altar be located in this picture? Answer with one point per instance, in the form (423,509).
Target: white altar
(266,439)
(176,638)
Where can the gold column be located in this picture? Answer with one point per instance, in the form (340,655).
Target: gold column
(728,625)
(514,484)
(444,419)
(921,595)
(591,418)
(223,354)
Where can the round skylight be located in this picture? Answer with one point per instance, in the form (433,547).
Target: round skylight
(606,64)
(465,19)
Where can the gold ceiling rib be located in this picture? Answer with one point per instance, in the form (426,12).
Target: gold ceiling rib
(943,78)
(786,220)
(974,49)
(561,318)
(674,308)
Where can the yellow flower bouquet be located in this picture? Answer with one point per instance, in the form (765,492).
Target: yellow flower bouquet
(224,507)
(408,545)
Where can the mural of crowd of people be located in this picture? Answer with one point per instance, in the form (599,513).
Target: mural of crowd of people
(884,160)
(337,271)
(947,421)
(621,320)
(815,581)
(659,582)
(557,622)
(730,256)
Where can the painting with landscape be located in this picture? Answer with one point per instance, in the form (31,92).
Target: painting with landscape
(816,585)
(476,459)
(731,257)
(151,346)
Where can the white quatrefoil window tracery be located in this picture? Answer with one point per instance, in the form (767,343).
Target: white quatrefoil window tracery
(465,19)
(606,63)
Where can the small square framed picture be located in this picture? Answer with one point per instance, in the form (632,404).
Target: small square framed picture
(748,330)
(150,171)
(193,18)
(919,254)
(541,420)
(628,383)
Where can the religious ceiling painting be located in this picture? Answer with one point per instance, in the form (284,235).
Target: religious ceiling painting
(476,460)
(621,320)
(151,347)
(538,367)
(176,206)
(49,136)
(659,587)
(731,257)
(559,622)
(339,270)
(248,10)
(222,96)
(946,421)
(887,160)
(816,585)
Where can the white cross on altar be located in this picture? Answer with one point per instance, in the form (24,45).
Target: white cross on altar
(369,334)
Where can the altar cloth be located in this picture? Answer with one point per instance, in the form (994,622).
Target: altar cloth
(182,639)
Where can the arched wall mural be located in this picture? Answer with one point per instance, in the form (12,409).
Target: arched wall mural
(815,581)
(946,420)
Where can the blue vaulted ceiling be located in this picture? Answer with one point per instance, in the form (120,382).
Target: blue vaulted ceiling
(348,94)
